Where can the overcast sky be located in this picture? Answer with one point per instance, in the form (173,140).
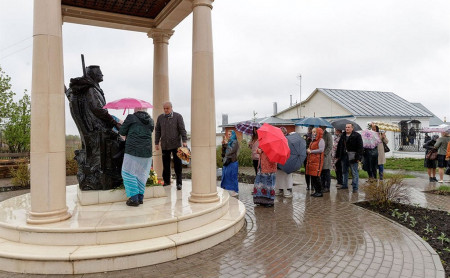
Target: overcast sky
(260,47)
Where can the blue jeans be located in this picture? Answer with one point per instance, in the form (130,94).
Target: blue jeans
(381,170)
(355,173)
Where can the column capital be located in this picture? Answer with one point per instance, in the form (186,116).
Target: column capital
(207,3)
(160,35)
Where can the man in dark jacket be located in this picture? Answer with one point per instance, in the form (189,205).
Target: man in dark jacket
(170,132)
(350,151)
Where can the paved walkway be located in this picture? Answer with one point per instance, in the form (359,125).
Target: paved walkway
(309,237)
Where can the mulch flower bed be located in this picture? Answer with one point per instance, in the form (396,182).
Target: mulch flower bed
(433,226)
(438,192)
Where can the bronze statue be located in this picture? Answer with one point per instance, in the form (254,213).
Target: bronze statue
(100,159)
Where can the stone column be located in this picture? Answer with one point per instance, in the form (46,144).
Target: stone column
(48,157)
(160,84)
(203,119)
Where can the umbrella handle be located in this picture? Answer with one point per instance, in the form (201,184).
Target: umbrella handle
(124,110)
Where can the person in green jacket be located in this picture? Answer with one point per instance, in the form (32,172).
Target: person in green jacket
(441,146)
(138,129)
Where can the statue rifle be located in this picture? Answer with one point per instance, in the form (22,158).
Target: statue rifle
(84,67)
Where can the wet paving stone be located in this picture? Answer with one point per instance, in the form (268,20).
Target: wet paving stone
(308,237)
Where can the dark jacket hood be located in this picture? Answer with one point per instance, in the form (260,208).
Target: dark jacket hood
(144,117)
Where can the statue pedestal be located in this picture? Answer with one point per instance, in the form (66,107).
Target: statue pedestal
(114,236)
(95,197)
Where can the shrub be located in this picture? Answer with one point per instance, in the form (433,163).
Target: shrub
(245,154)
(384,192)
(244,157)
(20,175)
(71,167)
(219,157)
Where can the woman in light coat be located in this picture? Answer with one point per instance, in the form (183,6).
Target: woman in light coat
(381,153)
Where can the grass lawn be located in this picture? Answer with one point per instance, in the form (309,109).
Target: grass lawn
(444,188)
(364,175)
(407,164)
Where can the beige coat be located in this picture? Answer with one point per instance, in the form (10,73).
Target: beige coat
(381,154)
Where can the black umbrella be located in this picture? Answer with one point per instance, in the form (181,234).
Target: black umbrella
(297,145)
(340,124)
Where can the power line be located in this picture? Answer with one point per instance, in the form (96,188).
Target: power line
(1,58)
(15,44)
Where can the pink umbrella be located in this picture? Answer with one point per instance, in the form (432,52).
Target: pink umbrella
(370,138)
(127,103)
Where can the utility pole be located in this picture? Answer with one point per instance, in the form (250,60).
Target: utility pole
(300,103)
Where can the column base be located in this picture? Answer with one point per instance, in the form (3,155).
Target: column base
(204,198)
(48,217)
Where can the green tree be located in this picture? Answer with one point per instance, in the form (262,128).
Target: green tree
(17,130)
(15,117)
(6,96)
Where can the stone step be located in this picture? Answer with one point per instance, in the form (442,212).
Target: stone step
(78,259)
(114,222)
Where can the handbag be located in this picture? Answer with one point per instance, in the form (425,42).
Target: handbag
(432,154)
(386,148)
(351,156)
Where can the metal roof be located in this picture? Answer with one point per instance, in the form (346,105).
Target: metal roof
(434,121)
(373,103)
(269,120)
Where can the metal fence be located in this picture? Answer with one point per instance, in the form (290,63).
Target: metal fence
(411,141)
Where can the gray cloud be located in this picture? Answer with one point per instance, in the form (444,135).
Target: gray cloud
(259,49)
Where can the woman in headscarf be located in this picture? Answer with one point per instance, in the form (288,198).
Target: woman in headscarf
(315,160)
(264,188)
(230,165)
(137,128)
(284,180)
(430,164)
(308,140)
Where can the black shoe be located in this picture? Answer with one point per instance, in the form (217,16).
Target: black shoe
(307,188)
(431,179)
(178,186)
(166,184)
(132,203)
(317,195)
(342,187)
(326,190)
(434,179)
(312,194)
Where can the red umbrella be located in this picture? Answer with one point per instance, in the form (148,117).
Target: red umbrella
(274,144)
(127,103)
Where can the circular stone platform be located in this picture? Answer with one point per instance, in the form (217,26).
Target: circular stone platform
(113,236)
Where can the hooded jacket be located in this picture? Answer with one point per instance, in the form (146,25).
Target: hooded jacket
(138,128)
(315,160)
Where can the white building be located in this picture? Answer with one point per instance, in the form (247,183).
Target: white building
(361,107)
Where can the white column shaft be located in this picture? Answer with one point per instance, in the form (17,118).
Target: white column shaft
(203,120)
(48,157)
(160,84)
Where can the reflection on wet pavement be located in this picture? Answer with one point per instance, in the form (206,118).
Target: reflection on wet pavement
(310,237)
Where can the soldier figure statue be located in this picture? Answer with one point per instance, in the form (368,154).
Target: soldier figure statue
(101,156)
